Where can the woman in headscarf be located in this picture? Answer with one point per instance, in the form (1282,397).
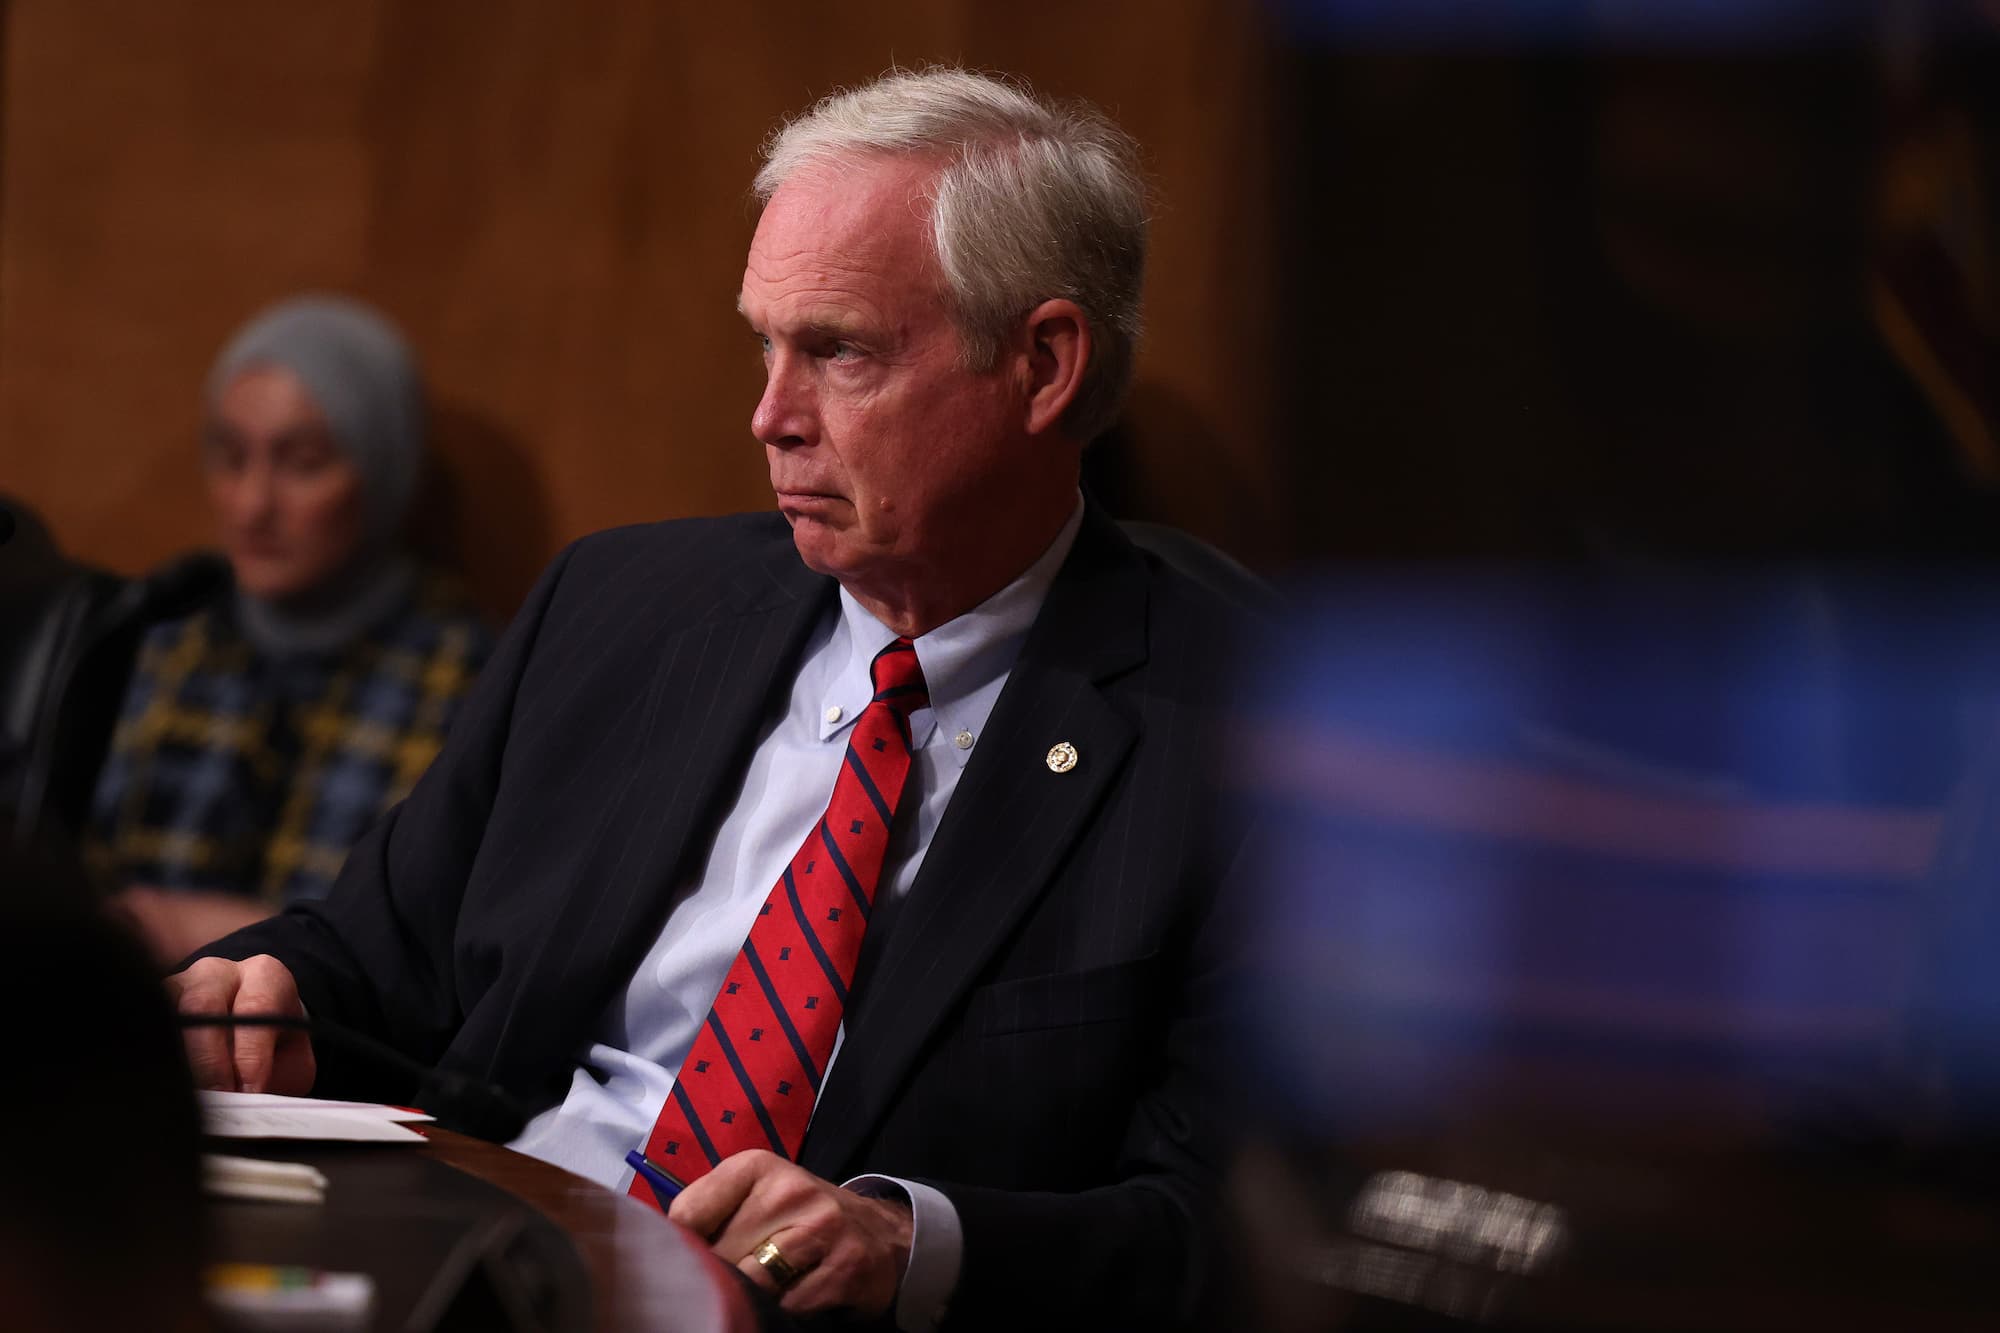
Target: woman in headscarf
(263,735)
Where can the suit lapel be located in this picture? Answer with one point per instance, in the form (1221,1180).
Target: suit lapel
(710,687)
(1010,823)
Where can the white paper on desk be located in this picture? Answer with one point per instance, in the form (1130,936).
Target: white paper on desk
(211,1098)
(236,1115)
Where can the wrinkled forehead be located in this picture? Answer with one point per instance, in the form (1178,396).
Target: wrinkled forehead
(853,203)
(853,214)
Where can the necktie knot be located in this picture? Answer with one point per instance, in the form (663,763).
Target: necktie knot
(899,678)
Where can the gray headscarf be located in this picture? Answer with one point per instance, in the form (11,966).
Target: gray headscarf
(364,378)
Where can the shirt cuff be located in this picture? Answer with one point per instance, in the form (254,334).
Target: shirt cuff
(937,1247)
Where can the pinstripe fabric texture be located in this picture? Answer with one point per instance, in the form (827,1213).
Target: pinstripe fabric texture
(750,1079)
(1037,1029)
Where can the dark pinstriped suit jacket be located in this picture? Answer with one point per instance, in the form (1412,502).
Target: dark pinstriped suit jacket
(1035,1032)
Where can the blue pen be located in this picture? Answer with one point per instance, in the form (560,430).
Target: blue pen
(665,1187)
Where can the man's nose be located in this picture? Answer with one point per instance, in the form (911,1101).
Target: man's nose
(784,415)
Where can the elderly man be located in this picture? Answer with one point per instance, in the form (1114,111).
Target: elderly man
(977,982)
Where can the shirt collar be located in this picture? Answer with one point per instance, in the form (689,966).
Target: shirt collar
(965,660)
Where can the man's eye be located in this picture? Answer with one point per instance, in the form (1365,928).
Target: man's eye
(843,352)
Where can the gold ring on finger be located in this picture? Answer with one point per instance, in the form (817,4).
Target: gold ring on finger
(771,1261)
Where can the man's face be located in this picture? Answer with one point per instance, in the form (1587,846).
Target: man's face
(289,502)
(890,459)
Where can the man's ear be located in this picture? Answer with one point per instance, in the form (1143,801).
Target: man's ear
(1059,349)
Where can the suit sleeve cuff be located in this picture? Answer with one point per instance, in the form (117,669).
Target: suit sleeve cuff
(937,1247)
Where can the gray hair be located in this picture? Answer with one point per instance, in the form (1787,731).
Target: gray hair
(364,378)
(1035,200)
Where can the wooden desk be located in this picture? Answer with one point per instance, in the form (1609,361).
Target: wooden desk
(405,1214)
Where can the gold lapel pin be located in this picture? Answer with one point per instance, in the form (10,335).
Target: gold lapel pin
(1062,757)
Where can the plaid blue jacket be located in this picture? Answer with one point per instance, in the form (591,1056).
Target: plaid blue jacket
(231,770)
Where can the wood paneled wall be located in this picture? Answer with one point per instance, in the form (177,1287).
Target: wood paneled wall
(551,198)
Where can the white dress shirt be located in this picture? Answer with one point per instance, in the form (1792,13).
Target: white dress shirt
(625,1074)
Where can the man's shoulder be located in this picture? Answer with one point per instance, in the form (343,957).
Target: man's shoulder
(1149,619)
(677,569)
(1196,634)
(687,542)
(1200,601)
(1197,580)
(683,547)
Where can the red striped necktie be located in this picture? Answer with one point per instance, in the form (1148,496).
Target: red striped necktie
(757,1062)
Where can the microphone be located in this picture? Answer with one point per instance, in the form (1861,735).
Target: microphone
(461,1102)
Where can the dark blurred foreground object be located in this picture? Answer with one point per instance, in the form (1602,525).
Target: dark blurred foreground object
(101,1225)
(68,636)
(1625,951)
(1533,1233)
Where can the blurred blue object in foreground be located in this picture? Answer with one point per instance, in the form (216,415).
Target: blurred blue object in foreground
(1706,856)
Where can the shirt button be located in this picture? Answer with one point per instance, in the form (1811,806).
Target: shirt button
(963,740)
(833,714)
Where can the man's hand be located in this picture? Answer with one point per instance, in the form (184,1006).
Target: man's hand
(247,1059)
(851,1248)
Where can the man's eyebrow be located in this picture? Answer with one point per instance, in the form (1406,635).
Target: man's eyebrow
(825,326)
(835,328)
